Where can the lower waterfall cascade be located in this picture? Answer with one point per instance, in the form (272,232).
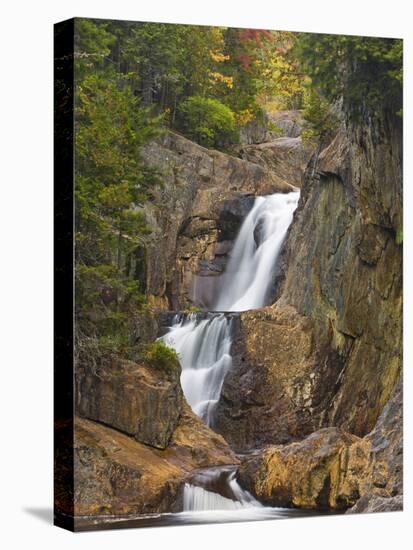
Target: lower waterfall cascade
(203,341)
(196,497)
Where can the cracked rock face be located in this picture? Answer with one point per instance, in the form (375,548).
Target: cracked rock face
(345,269)
(132,398)
(206,195)
(287,158)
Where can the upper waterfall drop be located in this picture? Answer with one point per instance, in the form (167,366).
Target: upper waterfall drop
(248,277)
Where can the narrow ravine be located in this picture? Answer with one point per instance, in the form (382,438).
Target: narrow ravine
(204,344)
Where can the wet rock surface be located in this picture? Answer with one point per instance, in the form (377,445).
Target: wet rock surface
(304,474)
(372,503)
(268,395)
(315,378)
(343,268)
(341,275)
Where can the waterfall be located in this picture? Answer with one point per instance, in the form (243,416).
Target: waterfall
(198,496)
(204,352)
(204,344)
(248,276)
(203,341)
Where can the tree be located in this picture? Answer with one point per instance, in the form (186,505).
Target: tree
(366,72)
(208,121)
(111,185)
(320,122)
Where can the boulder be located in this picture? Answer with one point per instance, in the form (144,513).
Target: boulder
(140,401)
(288,123)
(332,469)
(272,125)
(286,157)
(269,394)
(304,474)
(372,503)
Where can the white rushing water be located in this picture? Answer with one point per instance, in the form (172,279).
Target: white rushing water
(248,275)
(204,353)
(197,498)
(204,342)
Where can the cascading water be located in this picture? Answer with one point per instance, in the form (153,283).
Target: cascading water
(204,342)
(204,352)
(248,278)
(205,492)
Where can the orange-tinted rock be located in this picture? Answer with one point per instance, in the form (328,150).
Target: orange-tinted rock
(115,474)
(333,469)
(138,400)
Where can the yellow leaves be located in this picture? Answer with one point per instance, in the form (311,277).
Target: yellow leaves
(244,116)
(216,77)
(218,56)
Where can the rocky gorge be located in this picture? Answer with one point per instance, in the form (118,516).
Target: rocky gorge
(310,409)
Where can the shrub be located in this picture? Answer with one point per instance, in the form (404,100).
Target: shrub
(160,356)
(208,121)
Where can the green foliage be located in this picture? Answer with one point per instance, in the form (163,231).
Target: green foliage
(160,356)
(399,236)
(134,79)
(208,121)
(365,71)
(192,309)
(93,44)
(111,185)
(320,121)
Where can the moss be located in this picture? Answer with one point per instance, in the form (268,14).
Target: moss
(160,356)
(192,309)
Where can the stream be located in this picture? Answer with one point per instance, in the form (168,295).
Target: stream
(204,345)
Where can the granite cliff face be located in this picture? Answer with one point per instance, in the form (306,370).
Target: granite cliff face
(133,398)
(344,268)
(325,360)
